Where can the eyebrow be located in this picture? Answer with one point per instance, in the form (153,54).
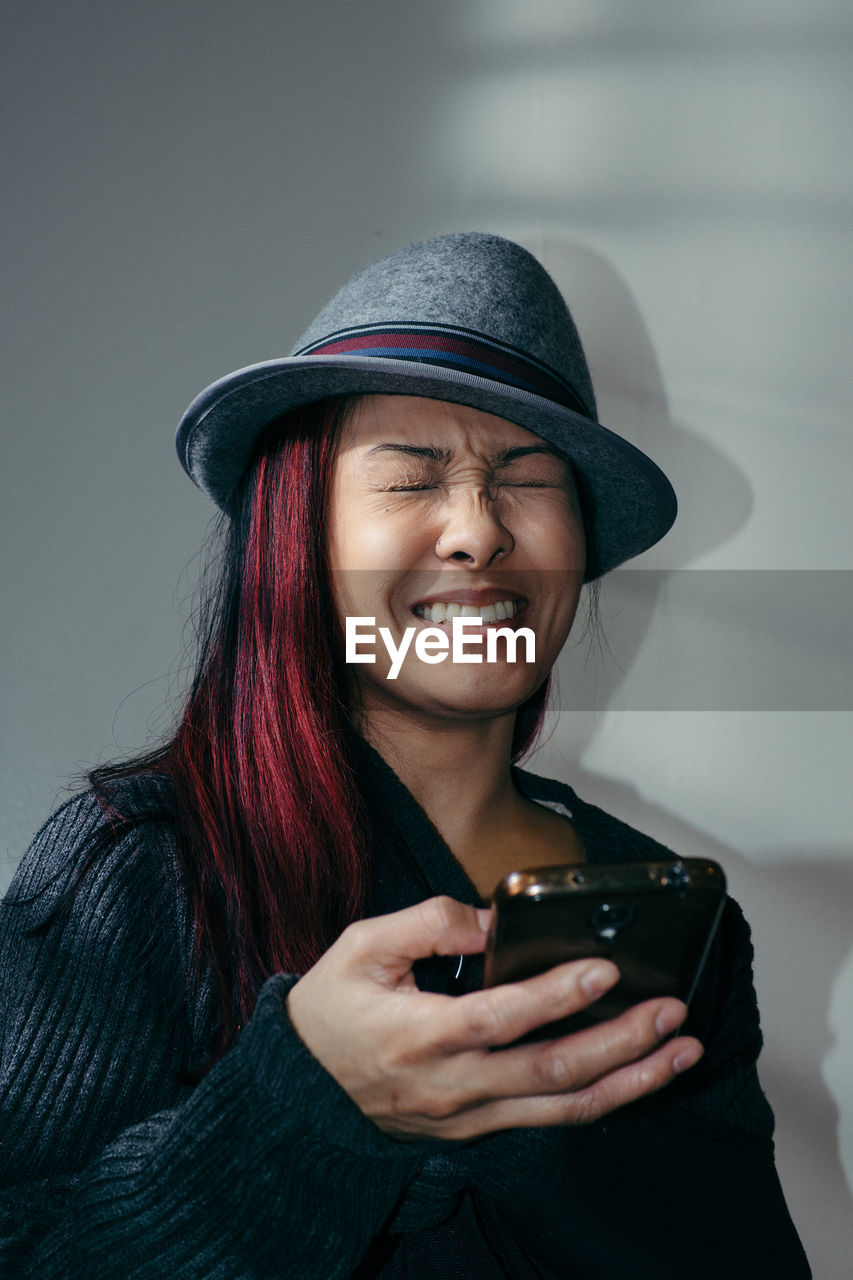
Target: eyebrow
(506,456)
(431,453)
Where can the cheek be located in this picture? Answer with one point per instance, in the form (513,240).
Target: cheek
(373,537)
(553,538)
(343,527)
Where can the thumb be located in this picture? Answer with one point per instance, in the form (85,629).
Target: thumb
(436,927)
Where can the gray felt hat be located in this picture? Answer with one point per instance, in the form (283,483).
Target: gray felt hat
(471,318)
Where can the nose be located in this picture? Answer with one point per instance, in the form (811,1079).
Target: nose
(472,532)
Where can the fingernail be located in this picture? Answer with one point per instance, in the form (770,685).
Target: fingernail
(669,1020)
(484,918)
(597,980)
(687,1058)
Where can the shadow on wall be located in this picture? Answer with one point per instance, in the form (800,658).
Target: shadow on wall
(715,497)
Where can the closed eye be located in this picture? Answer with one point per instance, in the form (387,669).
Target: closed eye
(500,484)
(410,488)
(530,484)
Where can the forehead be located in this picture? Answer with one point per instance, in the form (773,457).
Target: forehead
(441,424)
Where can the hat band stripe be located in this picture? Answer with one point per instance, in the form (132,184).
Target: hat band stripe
(451,360)
(452,349)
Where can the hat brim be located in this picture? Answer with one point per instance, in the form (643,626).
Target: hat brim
(629,502)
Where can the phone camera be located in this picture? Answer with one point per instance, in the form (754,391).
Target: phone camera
(609,919)
(675,877)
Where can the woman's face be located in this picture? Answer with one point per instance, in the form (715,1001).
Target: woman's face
(435,505)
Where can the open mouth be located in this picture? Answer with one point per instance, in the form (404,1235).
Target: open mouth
(438,612)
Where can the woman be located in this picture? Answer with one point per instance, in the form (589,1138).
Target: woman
(177,1100)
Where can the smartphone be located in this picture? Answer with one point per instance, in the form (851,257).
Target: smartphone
(654,920)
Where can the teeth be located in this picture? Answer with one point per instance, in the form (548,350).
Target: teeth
(439,612)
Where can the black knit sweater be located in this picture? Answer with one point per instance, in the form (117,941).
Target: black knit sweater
(113,1166)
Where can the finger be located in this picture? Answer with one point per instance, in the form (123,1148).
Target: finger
(578,1107)
(617,1089)
(569,1063)
(500,1015)
(438,926)
(574,1062)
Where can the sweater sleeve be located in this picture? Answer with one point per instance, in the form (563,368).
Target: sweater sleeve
(109,1165)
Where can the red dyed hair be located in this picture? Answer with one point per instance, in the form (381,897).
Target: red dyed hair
(270,829)
(259,760)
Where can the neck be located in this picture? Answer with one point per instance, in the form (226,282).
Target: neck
(460,775)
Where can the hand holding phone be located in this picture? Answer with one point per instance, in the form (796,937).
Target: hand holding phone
(654,920)
(421,1064)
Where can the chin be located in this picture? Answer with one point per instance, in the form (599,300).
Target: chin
(474,700)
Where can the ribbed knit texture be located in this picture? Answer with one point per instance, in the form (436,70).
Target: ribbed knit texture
(112,1167)
(122,1170)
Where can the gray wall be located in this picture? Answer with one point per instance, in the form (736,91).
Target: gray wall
(186,184)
